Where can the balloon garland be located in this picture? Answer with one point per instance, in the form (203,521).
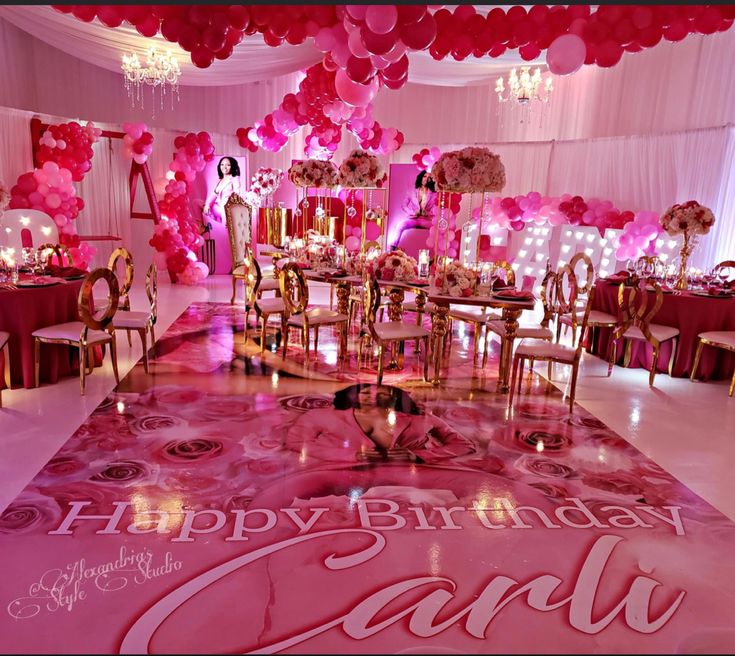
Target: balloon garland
(137,142)
(64,156)
(176,236)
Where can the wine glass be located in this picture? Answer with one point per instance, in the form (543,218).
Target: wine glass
(630,266)
(28,256)
(723,274)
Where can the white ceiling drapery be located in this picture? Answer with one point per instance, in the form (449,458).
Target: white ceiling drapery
(252,60)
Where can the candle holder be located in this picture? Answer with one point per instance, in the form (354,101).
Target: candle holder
(424,263)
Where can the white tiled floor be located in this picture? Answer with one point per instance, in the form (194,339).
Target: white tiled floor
(687,428)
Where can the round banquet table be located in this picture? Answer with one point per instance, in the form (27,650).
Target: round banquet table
(27,309)
(691,314)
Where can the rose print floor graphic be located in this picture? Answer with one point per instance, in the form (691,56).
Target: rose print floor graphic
(229,503)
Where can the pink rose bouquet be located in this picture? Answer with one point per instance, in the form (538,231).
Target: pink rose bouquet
(460,281)
(469,170)
(313,173)
(360,170)
(396,265)
(266,181)
(689,217)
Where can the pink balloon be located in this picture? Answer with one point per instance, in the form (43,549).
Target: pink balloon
(372,230)
(381,19)
(352,243)
(53,201)
(357,47)
(566,54)
(353,93)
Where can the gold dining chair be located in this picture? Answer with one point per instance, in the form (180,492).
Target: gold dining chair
(295,294)
(636,324)
(60,251)
(549,289)
(90,331)
(726,264)
(124,255)
(389,332)
(142,322)
(723,339)
(570,312)
(264,307)
(545,350)
(4,339)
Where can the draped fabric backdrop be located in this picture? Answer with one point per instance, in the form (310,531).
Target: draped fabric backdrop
(654,130)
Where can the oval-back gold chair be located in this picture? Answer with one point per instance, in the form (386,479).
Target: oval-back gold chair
(91,330)
(123,255)
(264,307)
(726,264)
(142,322)
(295,294)
(60,251)
(507,269)
(637,323)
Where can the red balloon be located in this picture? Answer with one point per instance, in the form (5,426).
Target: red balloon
(708,21)
(189,38)
(410,14)
(396,71)
(109,15)
(359,70)
(239,16)
(202,57)
(529,52)
(421,35)
(296,34)
(148,26)
(213,39)
(171,28)
(271,39)
(677,30)
(516,13)
(379,44)
(85,13)
(650,36)
(199,15)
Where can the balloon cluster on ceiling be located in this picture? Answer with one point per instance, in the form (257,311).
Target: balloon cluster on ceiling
(64,156)
(366,46)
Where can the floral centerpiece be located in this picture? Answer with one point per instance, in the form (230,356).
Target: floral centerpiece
(313,173)
(472,169)
(265,182)
(395,265)
(456,280)
(691,220)
(361,170)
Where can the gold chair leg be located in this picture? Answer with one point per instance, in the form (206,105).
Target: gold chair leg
(558,329)
(574,335)
(521,366)
(612,349)
(654,364)
(401,353)
(247,321)
(514,376)
(573,388)
(232,300)
(153,335)
(316,340)
(380,364)
(343,343)
(305,338)
(82,367)
(284,332)
(37,360)
(732,385)
(6,372)
(331,300)
(548,369)
(426,359)
(475,354)
(143,342)
(531,362)
(113,355)
(263,322)
(484,350)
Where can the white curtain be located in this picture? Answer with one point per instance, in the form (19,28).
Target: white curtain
(15,145)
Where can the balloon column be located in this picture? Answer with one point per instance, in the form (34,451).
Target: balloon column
(426,158)
(137,142)
(443,221)
(639,236)
(64,156)
(176,237)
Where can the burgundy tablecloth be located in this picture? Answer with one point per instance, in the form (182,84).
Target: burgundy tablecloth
(24,310)
(692,315)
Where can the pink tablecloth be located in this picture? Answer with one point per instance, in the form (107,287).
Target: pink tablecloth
(692,315)
(24,310)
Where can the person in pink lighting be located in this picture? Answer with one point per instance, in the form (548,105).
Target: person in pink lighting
(228,171)
(375,423)
(419,206)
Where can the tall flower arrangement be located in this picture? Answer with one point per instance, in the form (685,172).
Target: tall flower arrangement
(315,173)
(691,220)
(360,170)
(472,169)
(265,182)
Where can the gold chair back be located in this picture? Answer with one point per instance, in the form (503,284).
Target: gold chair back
(124,255)
(583,290)
(239,216)
(371,303)
(510,275)
(549,296)
(637,311)
(369,245)
(86,307)
(63,256)
(253,278)
(294,290)
(585,322)
(151,290)
(567,289)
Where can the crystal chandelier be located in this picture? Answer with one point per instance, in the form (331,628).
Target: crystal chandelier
(160,72)
(524,87)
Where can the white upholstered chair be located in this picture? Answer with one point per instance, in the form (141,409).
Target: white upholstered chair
(142,322)
(724,339)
